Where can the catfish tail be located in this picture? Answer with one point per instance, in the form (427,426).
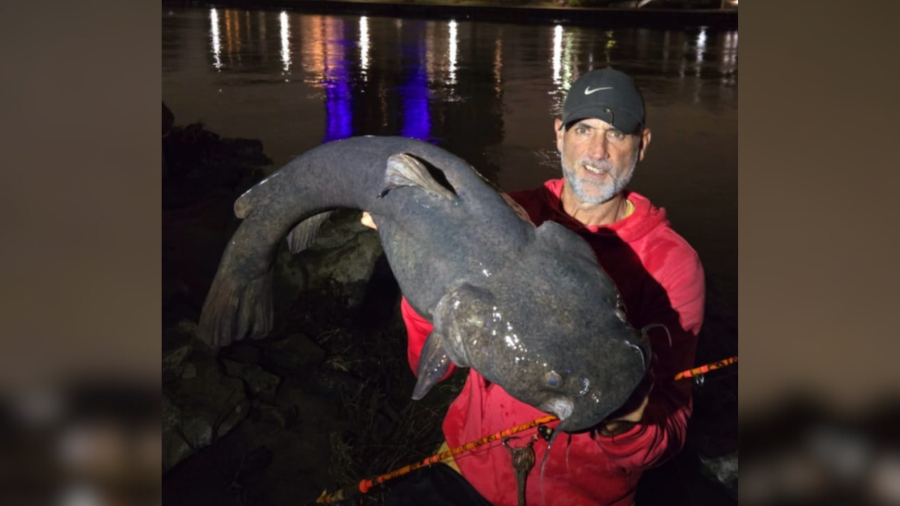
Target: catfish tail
(294,202)
(235,309)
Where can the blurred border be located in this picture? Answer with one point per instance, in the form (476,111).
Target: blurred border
(80,260)
(818,285)
(80,273)
(819,413)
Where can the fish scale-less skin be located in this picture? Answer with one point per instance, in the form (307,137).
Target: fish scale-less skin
(517,303)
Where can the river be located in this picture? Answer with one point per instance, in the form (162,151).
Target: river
(485,91)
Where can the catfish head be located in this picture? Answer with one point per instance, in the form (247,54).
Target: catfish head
(550,329)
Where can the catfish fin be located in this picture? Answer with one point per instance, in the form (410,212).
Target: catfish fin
(405,170)
(433,364)
(235,309)
(304,234)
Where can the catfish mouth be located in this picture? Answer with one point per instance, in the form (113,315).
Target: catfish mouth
(559,406)
(578,422)
(564,409)
(574,424)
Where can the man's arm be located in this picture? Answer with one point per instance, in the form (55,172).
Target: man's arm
(649,436)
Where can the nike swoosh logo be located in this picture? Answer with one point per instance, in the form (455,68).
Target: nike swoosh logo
(588,91)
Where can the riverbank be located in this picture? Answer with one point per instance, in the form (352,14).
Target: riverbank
(545,12)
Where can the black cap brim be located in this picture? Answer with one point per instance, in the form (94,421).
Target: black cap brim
(623,120)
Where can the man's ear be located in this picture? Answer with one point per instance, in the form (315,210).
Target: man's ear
(557,128)
(645,141)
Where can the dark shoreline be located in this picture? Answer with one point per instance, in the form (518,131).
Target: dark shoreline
(669,18)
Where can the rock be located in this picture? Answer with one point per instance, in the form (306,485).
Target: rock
(173,361)
(306,410)
(178,345)
(295,355)
(199,411)
(198,162)
(175,448)
(185,331)
(339,263)
(244,352)
(233,369)
(250,151)
(722,470)
(349,251)
(171,415)
(189,372)
(260,382)
(197,432)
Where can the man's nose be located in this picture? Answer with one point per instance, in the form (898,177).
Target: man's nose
(598,147)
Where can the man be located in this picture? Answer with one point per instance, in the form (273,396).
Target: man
(601,137)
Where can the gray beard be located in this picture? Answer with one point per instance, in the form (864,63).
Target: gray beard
(595,192)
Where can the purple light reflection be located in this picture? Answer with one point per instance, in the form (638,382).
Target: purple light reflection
(414,97)
(338,106)
(338,100)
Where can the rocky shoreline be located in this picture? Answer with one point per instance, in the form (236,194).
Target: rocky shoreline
(321,402)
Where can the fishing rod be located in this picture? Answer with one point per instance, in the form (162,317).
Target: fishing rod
(364,486)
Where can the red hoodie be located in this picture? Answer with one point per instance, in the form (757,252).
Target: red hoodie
(661,281)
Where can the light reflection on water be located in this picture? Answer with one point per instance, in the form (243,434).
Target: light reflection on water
(285,42)
(485,91)
(557,55)
(363,46)
(338,57)
(214,38)
(452,51)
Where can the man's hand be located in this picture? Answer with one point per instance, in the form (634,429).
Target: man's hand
(621,424)
(366,220)
(632,412)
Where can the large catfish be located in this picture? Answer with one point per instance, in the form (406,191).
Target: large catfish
(528,308)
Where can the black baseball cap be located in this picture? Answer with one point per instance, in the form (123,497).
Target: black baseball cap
(606,94)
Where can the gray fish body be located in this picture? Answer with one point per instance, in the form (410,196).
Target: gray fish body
(528,308)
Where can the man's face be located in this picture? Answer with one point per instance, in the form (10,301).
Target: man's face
(598,160)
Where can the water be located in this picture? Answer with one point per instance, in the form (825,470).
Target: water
(485,91)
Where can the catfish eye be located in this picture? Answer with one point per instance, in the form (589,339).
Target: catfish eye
(553,379)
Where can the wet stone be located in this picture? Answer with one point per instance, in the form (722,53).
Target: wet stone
(339,263)
(246,353)
(189,372)
(173,361)
(295,355)
(260,382)
(722,470)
